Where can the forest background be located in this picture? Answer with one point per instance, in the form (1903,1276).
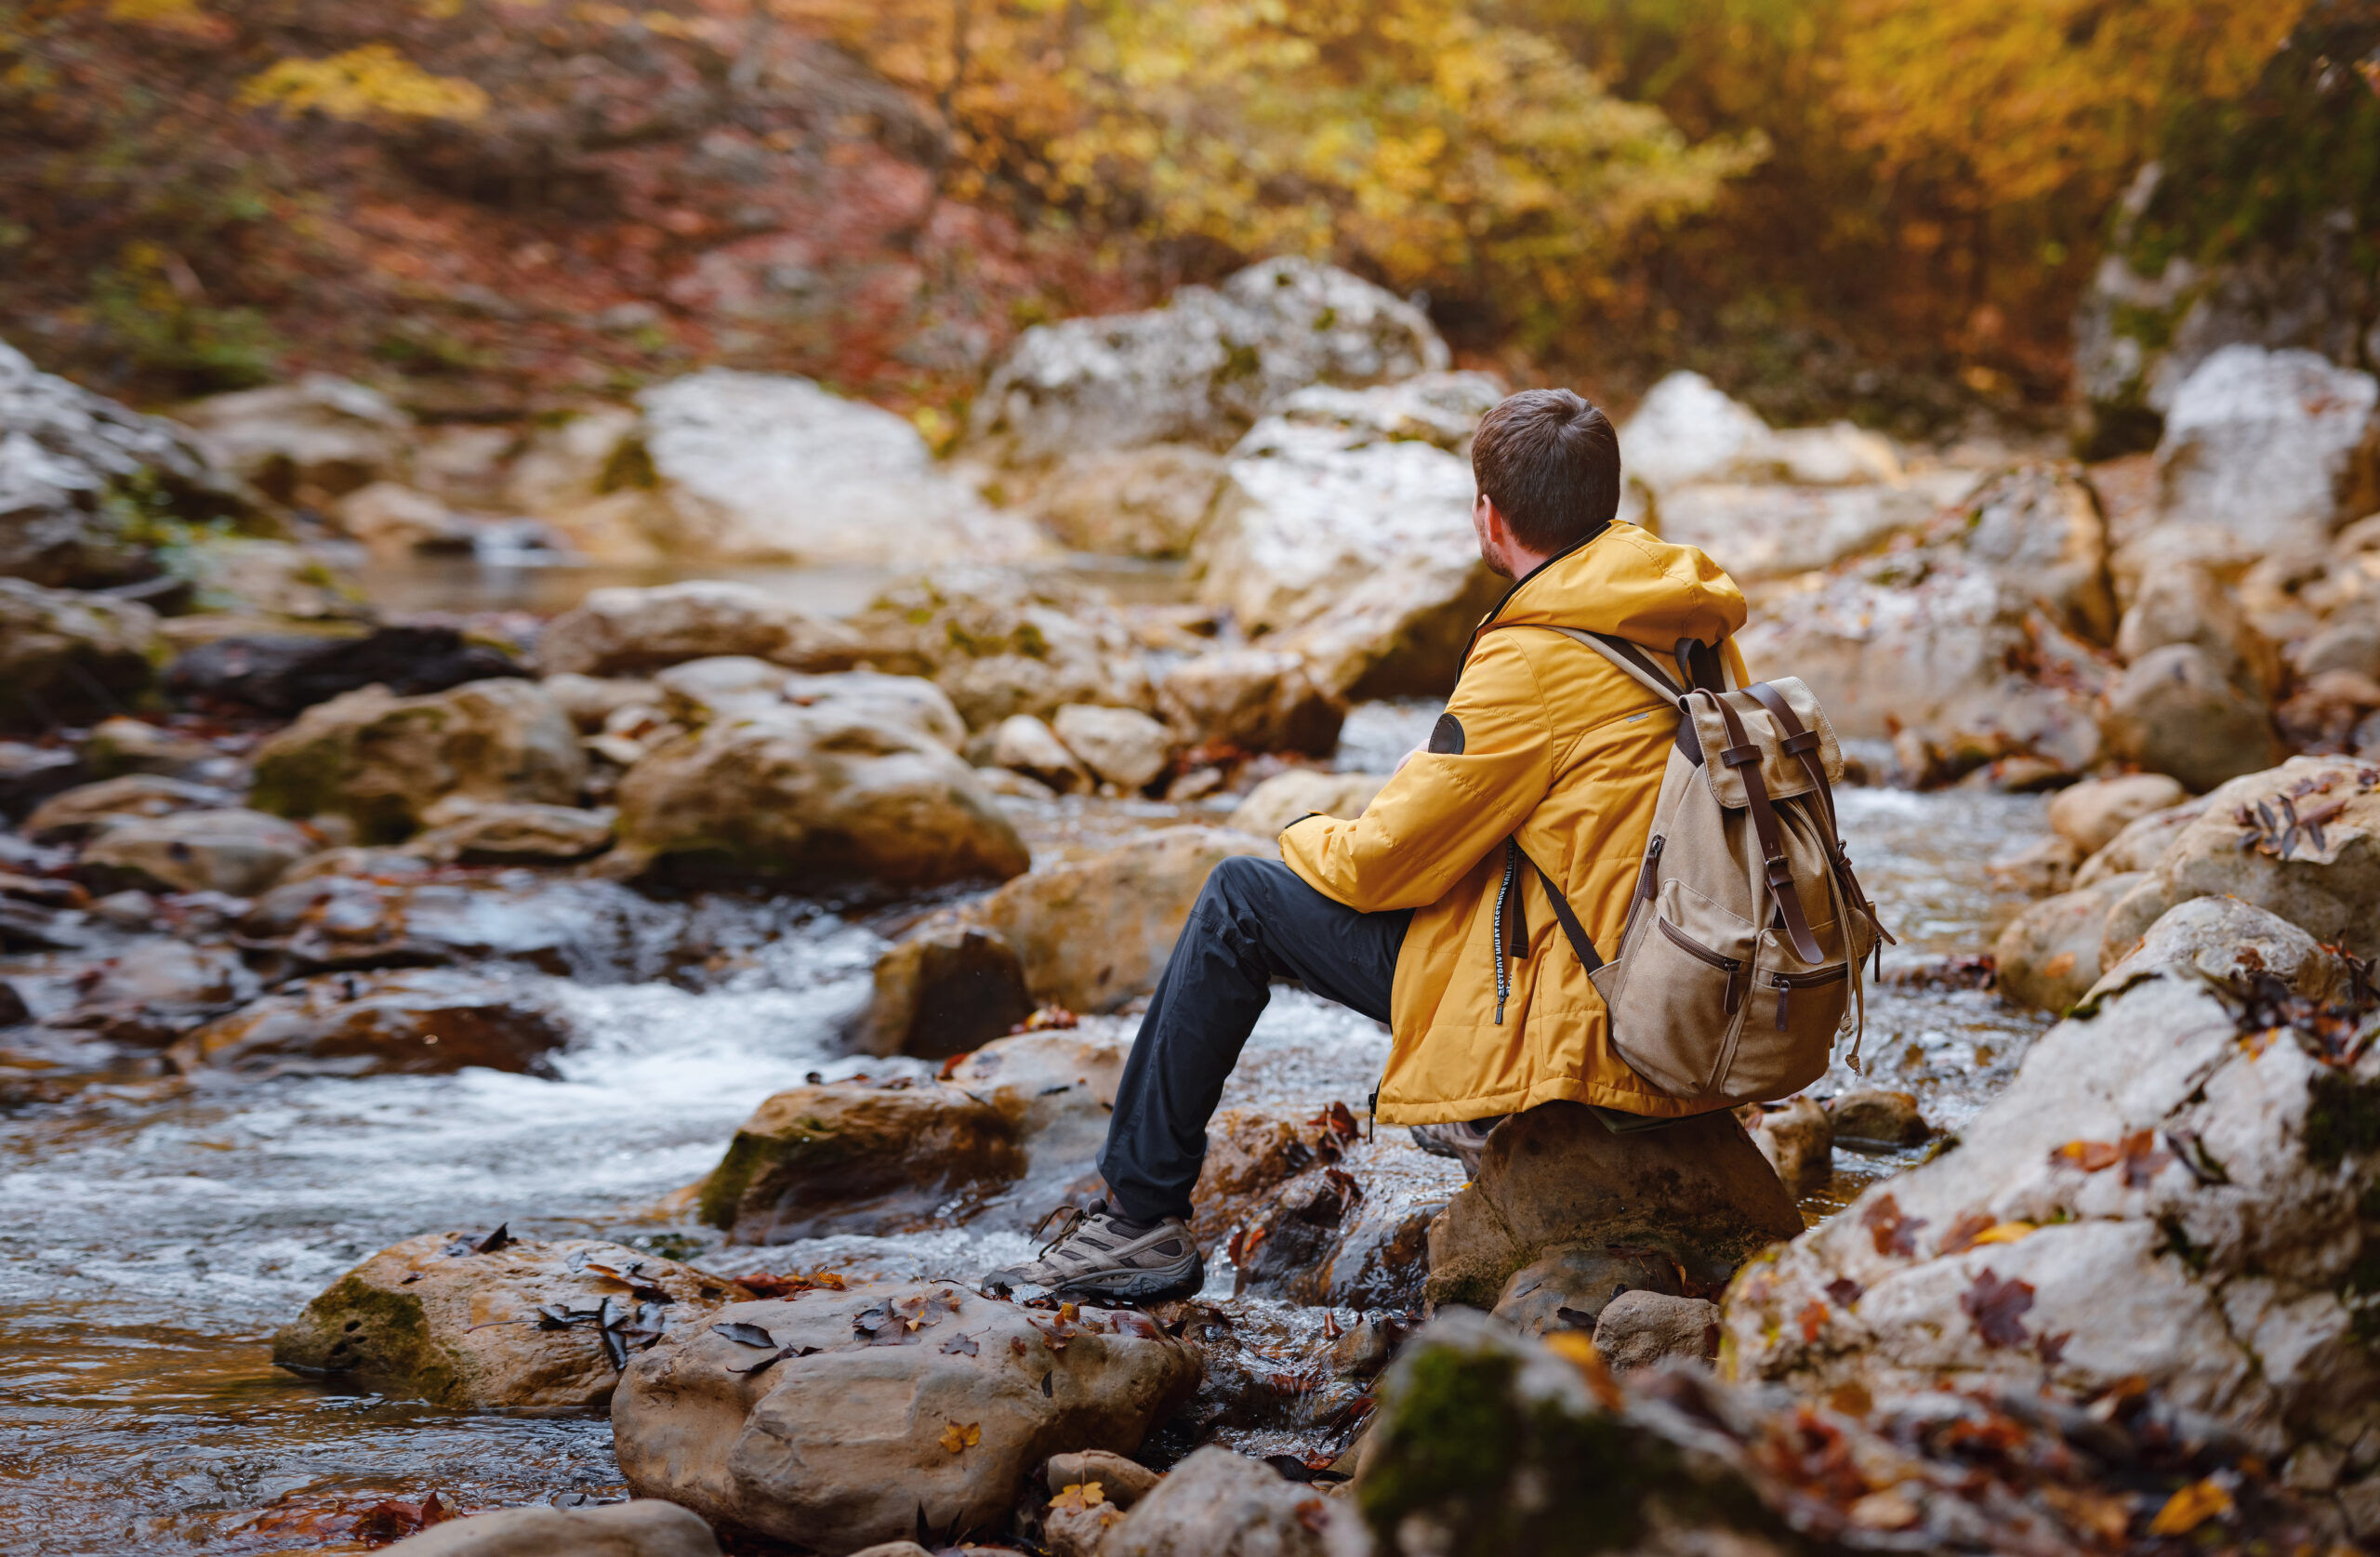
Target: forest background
(1889,209)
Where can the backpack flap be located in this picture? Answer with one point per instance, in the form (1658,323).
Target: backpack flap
(1781,770)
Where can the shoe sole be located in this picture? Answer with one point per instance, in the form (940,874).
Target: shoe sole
(1132,1286)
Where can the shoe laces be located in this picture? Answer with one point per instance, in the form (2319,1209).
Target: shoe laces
(1069,1218)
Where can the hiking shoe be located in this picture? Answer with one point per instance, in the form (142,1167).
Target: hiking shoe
(1097,1254)
(1464,1140)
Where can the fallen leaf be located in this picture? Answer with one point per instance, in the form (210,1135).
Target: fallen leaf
(1995,1306)
(2091,1156)
(2142,1159)
(1893,1232)
(495,1240)
(1963,1233)
(1314,1514)
(2003,1233)
(1579,1347)
(1842,1291)
(2190,1507)
(744,1335)
(1813,1319)
(1077,1498)
(1851,1399)
(1016,1344)
(2050,1348)
(963,1346)
(957,1438)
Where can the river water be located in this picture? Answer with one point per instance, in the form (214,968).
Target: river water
(155,1233)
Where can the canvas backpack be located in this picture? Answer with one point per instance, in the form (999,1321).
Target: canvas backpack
(1747,933)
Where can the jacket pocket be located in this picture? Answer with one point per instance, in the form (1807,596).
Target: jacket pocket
(1680,990)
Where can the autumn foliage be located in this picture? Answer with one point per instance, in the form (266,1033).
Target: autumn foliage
(541,197)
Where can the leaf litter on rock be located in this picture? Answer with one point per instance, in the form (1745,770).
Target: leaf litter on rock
(1995,1306)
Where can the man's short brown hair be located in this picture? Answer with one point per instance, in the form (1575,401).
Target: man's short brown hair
(1550,462)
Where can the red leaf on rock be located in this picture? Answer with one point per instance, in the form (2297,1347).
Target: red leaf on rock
(1842,1291)
(2050,1348)
(1016,1344)
(1995,1306)
(1338,1120)
(2142,1159)
(1970,1226)
(1893,1232)
(1813,1319)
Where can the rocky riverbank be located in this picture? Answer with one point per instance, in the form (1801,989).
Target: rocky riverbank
(899,878)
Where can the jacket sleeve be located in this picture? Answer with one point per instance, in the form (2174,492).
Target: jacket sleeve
(1444,810)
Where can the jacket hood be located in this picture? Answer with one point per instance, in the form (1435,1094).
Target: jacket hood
(1628,583)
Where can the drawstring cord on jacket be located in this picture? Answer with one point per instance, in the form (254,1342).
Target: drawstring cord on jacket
(1504,969)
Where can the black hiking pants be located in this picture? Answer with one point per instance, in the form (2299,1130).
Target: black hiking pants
(1254,922)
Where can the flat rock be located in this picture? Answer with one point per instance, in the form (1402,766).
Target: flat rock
(511,833)
(889,1409)
(622,631)
(2329,887)
(846,1158)
(528,1325)
(237,852)
(1698,1189)
(383,761)
(2229,942)
(77,812)
(404,1021)
(642,1527)
(817,792)
(588,930)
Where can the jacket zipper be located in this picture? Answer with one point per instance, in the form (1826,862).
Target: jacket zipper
(1503,971)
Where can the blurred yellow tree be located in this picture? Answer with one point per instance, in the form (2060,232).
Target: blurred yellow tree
(1410,138)
(361,83)
(2015,101)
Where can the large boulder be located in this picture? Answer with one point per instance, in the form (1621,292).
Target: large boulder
(68,658)
(2153,1206)
(835,1419)
(1147,502)
(2301,840)
(1250,700)
(2179,599)
(480,1321)
(1698,1189)
(1351,547)
(2273,450)
(2173,711)
(63,453)
(284,673)
(623,631)
(1202,368)
(311,442)
(1003,643)
(816,792)
(383,761)
(1686,430)
(762,467)
(848,1157)
(1093,934)
(642,1527)
(237,852)
(405,1021)
(1978,642)
(1760,533)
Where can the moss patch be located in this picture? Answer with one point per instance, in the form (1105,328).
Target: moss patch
(366,1332)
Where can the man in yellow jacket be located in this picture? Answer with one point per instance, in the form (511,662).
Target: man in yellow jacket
(1435,910)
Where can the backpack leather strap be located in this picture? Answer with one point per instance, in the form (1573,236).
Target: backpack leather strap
(1572,931)
(1803,743)
(1743,755)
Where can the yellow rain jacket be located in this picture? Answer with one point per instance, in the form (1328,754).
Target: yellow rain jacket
(1564,753)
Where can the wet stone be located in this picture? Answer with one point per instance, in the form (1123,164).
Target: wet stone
(407,1022)
(473,1319)
(1568,1288)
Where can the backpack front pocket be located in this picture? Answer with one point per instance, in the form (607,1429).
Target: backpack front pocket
(1796,1007)
(1685,987)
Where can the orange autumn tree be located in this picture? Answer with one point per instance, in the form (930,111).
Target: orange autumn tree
(1413,138)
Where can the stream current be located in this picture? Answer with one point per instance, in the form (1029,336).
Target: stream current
(155,1233)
